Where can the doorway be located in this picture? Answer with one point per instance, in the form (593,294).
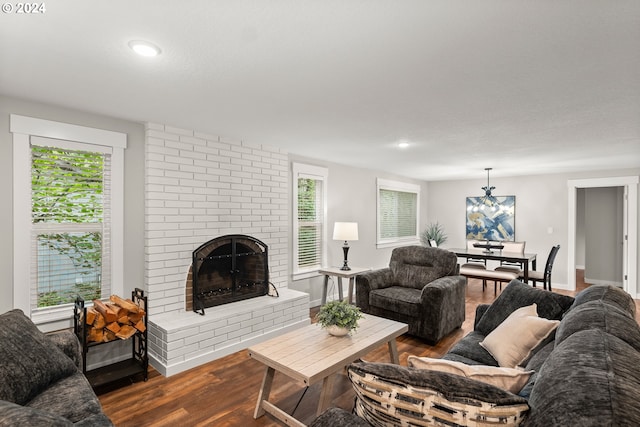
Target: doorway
(600,235)
(629,226)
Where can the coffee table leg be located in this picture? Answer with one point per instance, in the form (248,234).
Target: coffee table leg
(340,288)
(325,393)
(393,351)
(264,391)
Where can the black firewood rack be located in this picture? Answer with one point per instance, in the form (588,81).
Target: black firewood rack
(137,364)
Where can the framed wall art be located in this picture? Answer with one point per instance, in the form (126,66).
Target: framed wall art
(491,218)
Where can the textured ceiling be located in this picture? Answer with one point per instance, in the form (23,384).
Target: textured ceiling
(525,87)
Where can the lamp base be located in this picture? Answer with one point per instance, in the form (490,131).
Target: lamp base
(345,249)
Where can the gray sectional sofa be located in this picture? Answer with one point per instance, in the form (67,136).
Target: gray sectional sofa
(41,383)
(584,373)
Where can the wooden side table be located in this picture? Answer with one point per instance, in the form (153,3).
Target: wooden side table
(347,274)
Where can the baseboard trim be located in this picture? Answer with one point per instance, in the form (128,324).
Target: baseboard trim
(602,282)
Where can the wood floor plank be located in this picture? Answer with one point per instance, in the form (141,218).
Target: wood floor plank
(224,392)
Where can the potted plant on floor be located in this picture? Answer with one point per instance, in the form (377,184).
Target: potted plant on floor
(339,317)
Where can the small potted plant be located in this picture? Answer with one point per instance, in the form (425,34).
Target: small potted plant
(433,233)
(339,317)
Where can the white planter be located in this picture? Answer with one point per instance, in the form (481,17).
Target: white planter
(337,331)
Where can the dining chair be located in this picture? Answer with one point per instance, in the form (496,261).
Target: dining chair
(471,261)
(545,276)
(512,266)
(477,263)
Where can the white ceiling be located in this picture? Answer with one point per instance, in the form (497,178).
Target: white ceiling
(523,86)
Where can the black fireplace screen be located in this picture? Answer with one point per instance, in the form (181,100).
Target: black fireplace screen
(227,269)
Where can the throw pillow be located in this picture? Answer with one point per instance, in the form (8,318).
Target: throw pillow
(513,340)
(388,394)
(30,362)
(507,378)
(517,294)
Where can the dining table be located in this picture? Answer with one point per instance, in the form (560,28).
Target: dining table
(500,255)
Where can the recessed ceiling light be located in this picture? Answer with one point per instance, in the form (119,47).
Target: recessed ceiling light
(144,48)
(403,144)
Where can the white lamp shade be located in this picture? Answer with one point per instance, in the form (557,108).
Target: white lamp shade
(345,231)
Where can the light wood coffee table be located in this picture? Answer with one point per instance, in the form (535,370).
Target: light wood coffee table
(310,354)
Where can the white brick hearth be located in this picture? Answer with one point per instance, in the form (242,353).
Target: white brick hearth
(181,341)
(198,187)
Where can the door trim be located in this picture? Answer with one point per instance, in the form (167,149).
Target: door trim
(631,189)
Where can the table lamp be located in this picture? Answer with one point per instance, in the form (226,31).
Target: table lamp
(345,231)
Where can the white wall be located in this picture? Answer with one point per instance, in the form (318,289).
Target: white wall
(352,198)
(541,202)
(541,211)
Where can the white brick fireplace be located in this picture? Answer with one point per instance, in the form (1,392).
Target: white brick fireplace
(198,187)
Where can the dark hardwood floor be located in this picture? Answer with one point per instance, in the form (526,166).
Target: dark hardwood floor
(224,392)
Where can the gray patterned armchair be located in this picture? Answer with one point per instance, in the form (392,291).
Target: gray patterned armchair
(421,287)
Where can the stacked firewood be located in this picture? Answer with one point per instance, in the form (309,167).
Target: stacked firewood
(118,318)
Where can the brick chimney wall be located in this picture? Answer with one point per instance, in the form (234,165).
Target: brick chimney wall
(198,187)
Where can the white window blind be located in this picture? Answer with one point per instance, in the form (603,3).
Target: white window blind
(398,209)
(71,222)
(309,217)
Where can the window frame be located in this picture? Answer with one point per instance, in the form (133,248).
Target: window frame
(301,170)
(23,128)
(399,186)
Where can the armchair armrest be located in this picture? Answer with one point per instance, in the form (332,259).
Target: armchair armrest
(366,282)
(67,342)
(480,310)
(443,305)
(443,285)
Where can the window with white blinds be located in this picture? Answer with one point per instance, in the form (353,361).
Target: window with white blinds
(309,207)
(398,213)
(70,216)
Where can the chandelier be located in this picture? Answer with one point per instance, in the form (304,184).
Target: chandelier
(488,200)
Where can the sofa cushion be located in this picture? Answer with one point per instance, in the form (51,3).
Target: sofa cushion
(534,364)
(71,398)
(468,350)
(416,266)
(517,294)
(67,341)
(597,314)
(333,417)
(505,378)
(12,415)
(95,420)
(609,294)
(397,299)
(30,362)
(590,379)
(512,342)
(389,394)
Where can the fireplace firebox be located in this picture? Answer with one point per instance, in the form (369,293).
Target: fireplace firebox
(227,269)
